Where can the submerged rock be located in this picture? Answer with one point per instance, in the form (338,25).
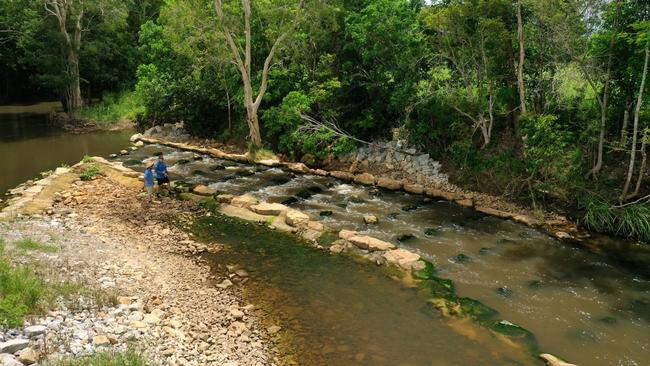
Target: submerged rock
(405,237)
(290,201)
(462,258)
(432,231)
(410,207)
(504,291)
(325,213)
(486,250)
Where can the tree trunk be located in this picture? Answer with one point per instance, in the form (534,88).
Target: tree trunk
(74,88)
(522,54)
(254,127)
(644,158)
(635,129)
(626,119)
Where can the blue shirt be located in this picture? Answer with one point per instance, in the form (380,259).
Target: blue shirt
(148,178)
(161,169)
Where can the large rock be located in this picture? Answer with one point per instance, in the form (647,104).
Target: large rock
(365,179)
(14,345)
(402,257)
(273,209)
(204,190)
(296,218)
(135,137)
(35,330)
(244,201)
(389,183)
(342,175)
(414,188)
(28,356)
(9,360)
(298,168)
(347,234)
(370,243)
(138,144)
(437,193)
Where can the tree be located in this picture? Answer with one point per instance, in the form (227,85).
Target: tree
(522,55)
(243,58)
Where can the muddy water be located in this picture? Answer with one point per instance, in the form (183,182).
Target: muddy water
(29,146)
(590,306)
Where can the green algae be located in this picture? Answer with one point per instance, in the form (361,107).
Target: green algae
(327,238)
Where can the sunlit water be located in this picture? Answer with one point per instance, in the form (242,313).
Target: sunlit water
(28,146)
(592,309)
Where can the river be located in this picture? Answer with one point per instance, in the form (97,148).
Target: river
(28,145)
(589,304)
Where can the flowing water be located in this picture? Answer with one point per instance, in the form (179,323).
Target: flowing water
(589,304)
(29,145)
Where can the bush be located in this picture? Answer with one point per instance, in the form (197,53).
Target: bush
(114,108)
(21,293)
(90,172)
(631,221)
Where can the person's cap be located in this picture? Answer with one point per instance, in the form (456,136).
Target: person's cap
(149,164)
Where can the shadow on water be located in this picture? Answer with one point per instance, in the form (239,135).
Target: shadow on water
(340,312)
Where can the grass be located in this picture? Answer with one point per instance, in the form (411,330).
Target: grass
(128,358)
(32,245)
(631,221)
(113,108)
(90,172)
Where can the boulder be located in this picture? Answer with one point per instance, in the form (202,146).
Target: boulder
(139,144)
(315,225)
(370,219)
(298,168)
(296,218)
(14,345)
(35,330)
(370,243)
(402,257)
(389,183)
(347,234)
(244,201)
(204,190)
(225,198)
(342,175)
(273,209)
(9,360)
(414,188)
(135,137)
(365,179)
(28,356)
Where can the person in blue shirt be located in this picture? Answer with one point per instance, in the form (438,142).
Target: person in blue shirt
(148,179)
(161,173)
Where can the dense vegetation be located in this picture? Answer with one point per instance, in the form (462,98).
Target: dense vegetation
(544,102)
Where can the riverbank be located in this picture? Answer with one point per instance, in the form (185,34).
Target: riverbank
(167,303)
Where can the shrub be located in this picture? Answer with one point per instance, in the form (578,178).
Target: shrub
(128,358)
(21,293)
(113,108)
(90,172)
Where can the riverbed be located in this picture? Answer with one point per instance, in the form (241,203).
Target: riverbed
(29,145)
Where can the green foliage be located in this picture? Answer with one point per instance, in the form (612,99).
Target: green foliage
(21,293)
(127,358)
(631,221)
(29,245)
(113,108)
(90,172)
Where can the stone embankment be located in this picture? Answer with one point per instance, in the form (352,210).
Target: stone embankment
(143,286)
(389,166)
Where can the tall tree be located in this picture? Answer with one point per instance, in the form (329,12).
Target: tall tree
(243,58)
(522,55)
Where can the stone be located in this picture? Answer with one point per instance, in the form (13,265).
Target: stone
(123,300)
(244,201)
(553,360)
(137,324)
(224,284)
(315,225)
(273,329)
(135,137)
(402,257)
(176,324)
(296,218)
(9,360)
(14,345)
(101,341)
(370,219)
(321,172)
(269,162)
(151,319)
(236,313)
(493,212)
(342,175)
(35,330)
(168,352)
(124,152)
(28,356)
(389,183)
(336,248)
(204,190)
(225,198)
(526,220)
(437,193)
(466,202)
(563,235)
(298,168)
(112,156)
(365,179)
(347,234)
(139,144)
(370,243)
(273,209)
(414,188)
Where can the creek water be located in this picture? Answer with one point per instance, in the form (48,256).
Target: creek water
(588,304)
(29,145)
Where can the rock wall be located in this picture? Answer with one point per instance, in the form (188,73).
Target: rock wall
(395,159)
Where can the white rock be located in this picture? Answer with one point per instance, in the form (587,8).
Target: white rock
(35,330)
(135,137)
(14,345)
(139,144)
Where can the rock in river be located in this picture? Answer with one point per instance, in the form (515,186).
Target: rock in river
(296,218)
(273,209)
(204,190)
(370,243)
